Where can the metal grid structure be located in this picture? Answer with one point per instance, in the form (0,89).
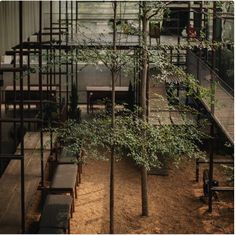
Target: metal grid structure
(57,39)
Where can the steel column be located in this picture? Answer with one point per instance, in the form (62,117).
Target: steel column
(22,120)
(212,112)
(40,91)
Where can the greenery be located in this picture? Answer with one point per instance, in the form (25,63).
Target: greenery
(49,112)
(127,134)
(229,172)
(173,142)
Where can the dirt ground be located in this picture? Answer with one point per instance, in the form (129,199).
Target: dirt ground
(174,202)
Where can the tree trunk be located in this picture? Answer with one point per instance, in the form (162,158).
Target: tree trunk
(144,107)
(112,160)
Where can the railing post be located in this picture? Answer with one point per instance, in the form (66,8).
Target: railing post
(212,112)
(40,91)
(22,119)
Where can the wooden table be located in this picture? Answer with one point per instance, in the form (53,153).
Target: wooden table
(95,93)
(31,94)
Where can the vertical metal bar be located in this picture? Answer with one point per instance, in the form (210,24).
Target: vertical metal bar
(60,98)
(28,79)
(72,67)
(198,66)
(22,119)
(197,170)
(200,12)
(51,61)
(22,195)
(40,91)
(134,77)
(198,72)
(147,93)
(76,70)
(47,72)
(14,106)
(72,51)
(51,57)
(54,66)
(71,16)
(178,52)
(211,165)
(189,11)
(139,55)
(211,157)
(67,65)
(1,78)
(76,17)
(76,31)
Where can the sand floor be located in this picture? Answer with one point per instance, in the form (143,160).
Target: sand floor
(174,202)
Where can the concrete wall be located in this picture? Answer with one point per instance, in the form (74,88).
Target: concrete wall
(9,21)
(89,76)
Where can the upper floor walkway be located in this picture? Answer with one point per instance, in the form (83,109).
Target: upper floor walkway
(223,108)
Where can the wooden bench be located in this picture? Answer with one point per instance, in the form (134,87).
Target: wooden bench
(65,180)
(56,213)
(28,102)
(223,189)
(30,95)
(68,158)
(95,93)
(50,231)
(218,161)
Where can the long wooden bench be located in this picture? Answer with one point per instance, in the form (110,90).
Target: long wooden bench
(56,213)
(50,231)
(30,95)
(65,180)
(216,161)
(64,157)
(223,189)
(95,93)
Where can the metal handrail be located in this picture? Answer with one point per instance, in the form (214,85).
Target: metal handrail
(217,77)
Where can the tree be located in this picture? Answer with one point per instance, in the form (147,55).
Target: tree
(112,161)
(148,11)
(115,60)
(144,107)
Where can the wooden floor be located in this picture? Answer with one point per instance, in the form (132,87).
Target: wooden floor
(224,109)
(160,114)
(159,110)
(10,210)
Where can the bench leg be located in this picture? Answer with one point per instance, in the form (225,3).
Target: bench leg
(80,172)
(197,171)
(77,180)
(71,211)
(73,200)
(76,196)
(68,226)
